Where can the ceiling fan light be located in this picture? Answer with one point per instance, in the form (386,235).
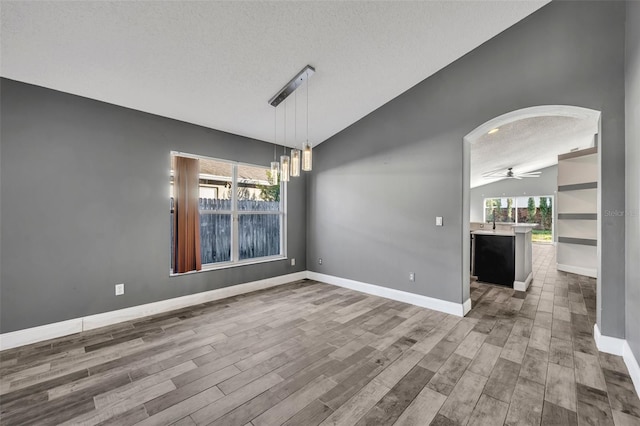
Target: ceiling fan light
(493,131)
(509,174)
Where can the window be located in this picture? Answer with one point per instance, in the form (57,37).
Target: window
(240,214)
(499,209)
(534,210)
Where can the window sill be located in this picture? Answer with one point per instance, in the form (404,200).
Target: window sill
(226,265)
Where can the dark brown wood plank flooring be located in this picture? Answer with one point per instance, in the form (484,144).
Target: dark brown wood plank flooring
(308,353)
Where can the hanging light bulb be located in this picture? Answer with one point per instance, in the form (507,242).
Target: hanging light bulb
(307,157)
(284,159)
(295,162)
(295,153)
(306,149)
(275,169)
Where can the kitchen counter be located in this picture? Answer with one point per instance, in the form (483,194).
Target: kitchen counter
(503,257)
(490,232)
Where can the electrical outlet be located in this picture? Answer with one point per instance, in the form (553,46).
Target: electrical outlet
(412,276)
(119,289)
(293,261)
(319,261)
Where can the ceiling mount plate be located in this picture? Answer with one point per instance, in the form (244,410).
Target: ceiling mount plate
(292,85)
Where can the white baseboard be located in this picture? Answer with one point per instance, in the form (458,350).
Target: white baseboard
(459,309)
(620,347)
(466,306)
(523,285)
(610,345)
(40,333)
(632,366)
(589,272)
(76,325)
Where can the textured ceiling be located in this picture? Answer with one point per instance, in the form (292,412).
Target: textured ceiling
(217,64)
(530,144)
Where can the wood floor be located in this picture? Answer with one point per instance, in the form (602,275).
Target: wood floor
(309,353)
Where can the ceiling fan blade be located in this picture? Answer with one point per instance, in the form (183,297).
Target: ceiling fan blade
(516,177)
(497,172)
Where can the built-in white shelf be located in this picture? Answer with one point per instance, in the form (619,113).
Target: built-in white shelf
(579,201)
(578,186)
(578,167)
(583,229)
(577,207)
(578,216)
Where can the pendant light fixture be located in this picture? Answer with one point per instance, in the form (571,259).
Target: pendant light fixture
(298,158)
(284,159)
(306,149)
(295,153)
(275,167)
(284,162)
(306,157)
(295,162)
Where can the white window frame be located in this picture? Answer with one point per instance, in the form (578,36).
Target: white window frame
(515,201)
(484,209)
(235,213)
(515,198)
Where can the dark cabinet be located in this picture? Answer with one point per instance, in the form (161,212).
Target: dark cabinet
(495,259)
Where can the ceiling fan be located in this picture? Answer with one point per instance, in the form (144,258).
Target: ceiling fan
(509,174)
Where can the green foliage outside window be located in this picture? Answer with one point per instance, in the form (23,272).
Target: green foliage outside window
(270,192)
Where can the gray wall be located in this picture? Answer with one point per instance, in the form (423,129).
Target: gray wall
(84,199)
(378,185)
(633,175)
(546,184)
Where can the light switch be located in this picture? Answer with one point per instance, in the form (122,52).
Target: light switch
(438,220)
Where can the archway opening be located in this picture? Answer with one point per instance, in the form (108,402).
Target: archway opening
(503,157)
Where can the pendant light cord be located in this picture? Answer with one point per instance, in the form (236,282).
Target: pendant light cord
(307,81)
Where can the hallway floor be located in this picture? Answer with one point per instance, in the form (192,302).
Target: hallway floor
(308,353)
(549,359)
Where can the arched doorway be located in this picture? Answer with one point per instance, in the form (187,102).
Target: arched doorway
(536,115)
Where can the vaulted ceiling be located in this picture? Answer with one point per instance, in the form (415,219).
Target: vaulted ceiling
(531,143)
(217,64)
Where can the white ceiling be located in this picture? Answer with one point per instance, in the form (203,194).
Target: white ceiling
(217,64)
(530,144)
